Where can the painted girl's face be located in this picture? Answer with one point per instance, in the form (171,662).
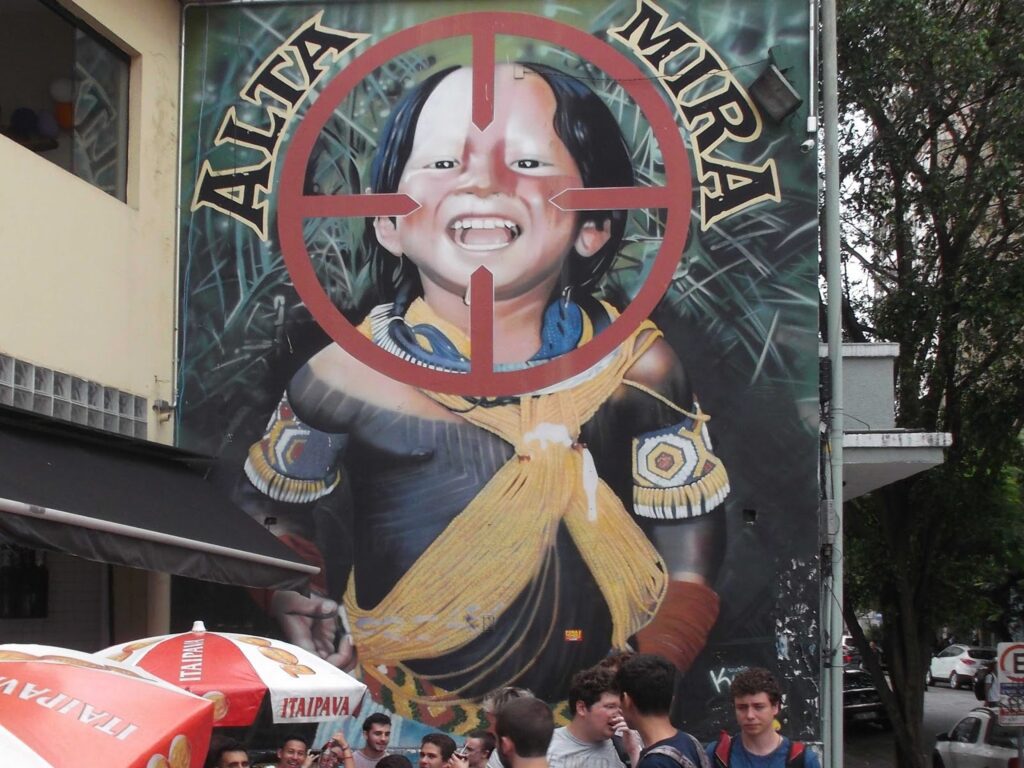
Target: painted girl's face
(484,196)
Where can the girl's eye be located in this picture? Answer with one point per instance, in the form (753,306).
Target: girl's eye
(527,164)
(442,165)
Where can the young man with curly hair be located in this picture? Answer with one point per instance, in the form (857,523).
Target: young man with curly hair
(597,715)
(756,697)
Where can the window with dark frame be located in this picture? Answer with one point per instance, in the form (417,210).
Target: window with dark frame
(64,92)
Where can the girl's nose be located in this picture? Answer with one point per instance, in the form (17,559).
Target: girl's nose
(485,170)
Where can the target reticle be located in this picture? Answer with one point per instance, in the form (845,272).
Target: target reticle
(294,206)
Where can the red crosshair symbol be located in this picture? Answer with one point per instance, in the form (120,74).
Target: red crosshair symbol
(294,207)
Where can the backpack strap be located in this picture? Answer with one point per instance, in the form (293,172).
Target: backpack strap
(796,756)
(701,754)
(673,753)
(723,750)
(678,757)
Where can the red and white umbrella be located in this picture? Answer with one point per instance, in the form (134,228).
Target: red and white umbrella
(236,672)
(60,707)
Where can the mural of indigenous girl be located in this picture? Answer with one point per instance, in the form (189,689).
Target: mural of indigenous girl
(473,541)
(485,530)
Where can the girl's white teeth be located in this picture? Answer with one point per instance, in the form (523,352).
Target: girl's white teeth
(486,224)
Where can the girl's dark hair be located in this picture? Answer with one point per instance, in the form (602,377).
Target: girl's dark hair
(582,121)
(591,134)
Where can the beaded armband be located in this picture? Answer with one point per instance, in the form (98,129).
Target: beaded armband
(294,462)
(675,473)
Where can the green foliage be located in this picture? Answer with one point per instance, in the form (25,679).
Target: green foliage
(981,545)
(933,156)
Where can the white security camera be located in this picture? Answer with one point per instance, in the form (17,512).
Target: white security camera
(807,146)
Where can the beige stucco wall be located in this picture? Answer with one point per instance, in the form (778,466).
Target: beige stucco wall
(87,283)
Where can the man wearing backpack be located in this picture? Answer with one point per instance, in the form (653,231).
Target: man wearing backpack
(756,696)
(647,683)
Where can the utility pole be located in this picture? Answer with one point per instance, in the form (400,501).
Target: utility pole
(833,725)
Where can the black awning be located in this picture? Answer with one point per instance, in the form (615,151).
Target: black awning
(130,502)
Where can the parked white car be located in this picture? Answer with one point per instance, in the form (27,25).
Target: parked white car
(977,741)
(957,664)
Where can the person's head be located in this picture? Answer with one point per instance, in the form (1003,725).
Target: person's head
(479,745)
(594,701)
(756,697)
(436,750)
(614,660)
(332,755)
(228,754)
(377,732)
(484,195)
(498,698)
(394,761)
(647,684)
(524,727)
(292,752)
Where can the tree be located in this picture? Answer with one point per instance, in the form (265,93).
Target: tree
(932,103)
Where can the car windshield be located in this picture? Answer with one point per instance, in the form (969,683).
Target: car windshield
(986,654)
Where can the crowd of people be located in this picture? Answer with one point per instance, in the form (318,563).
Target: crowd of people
(620,719)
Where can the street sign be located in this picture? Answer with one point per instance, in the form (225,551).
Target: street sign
(1010,676)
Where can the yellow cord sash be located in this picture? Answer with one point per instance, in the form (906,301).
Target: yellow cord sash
(442,602)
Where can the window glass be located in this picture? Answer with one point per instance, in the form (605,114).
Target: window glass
(966,731)
(1001,736)
(64,92)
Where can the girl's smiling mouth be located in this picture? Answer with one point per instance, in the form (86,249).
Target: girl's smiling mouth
(483,233)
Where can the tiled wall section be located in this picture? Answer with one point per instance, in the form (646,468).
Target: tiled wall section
(67,397)
(78,616)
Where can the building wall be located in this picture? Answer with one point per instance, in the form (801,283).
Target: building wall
(88,281)
(88,289)
(868,385)
(77,615)
(280,133)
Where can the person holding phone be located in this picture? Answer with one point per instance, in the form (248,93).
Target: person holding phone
(335,754)
(586,742)
(478,747)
